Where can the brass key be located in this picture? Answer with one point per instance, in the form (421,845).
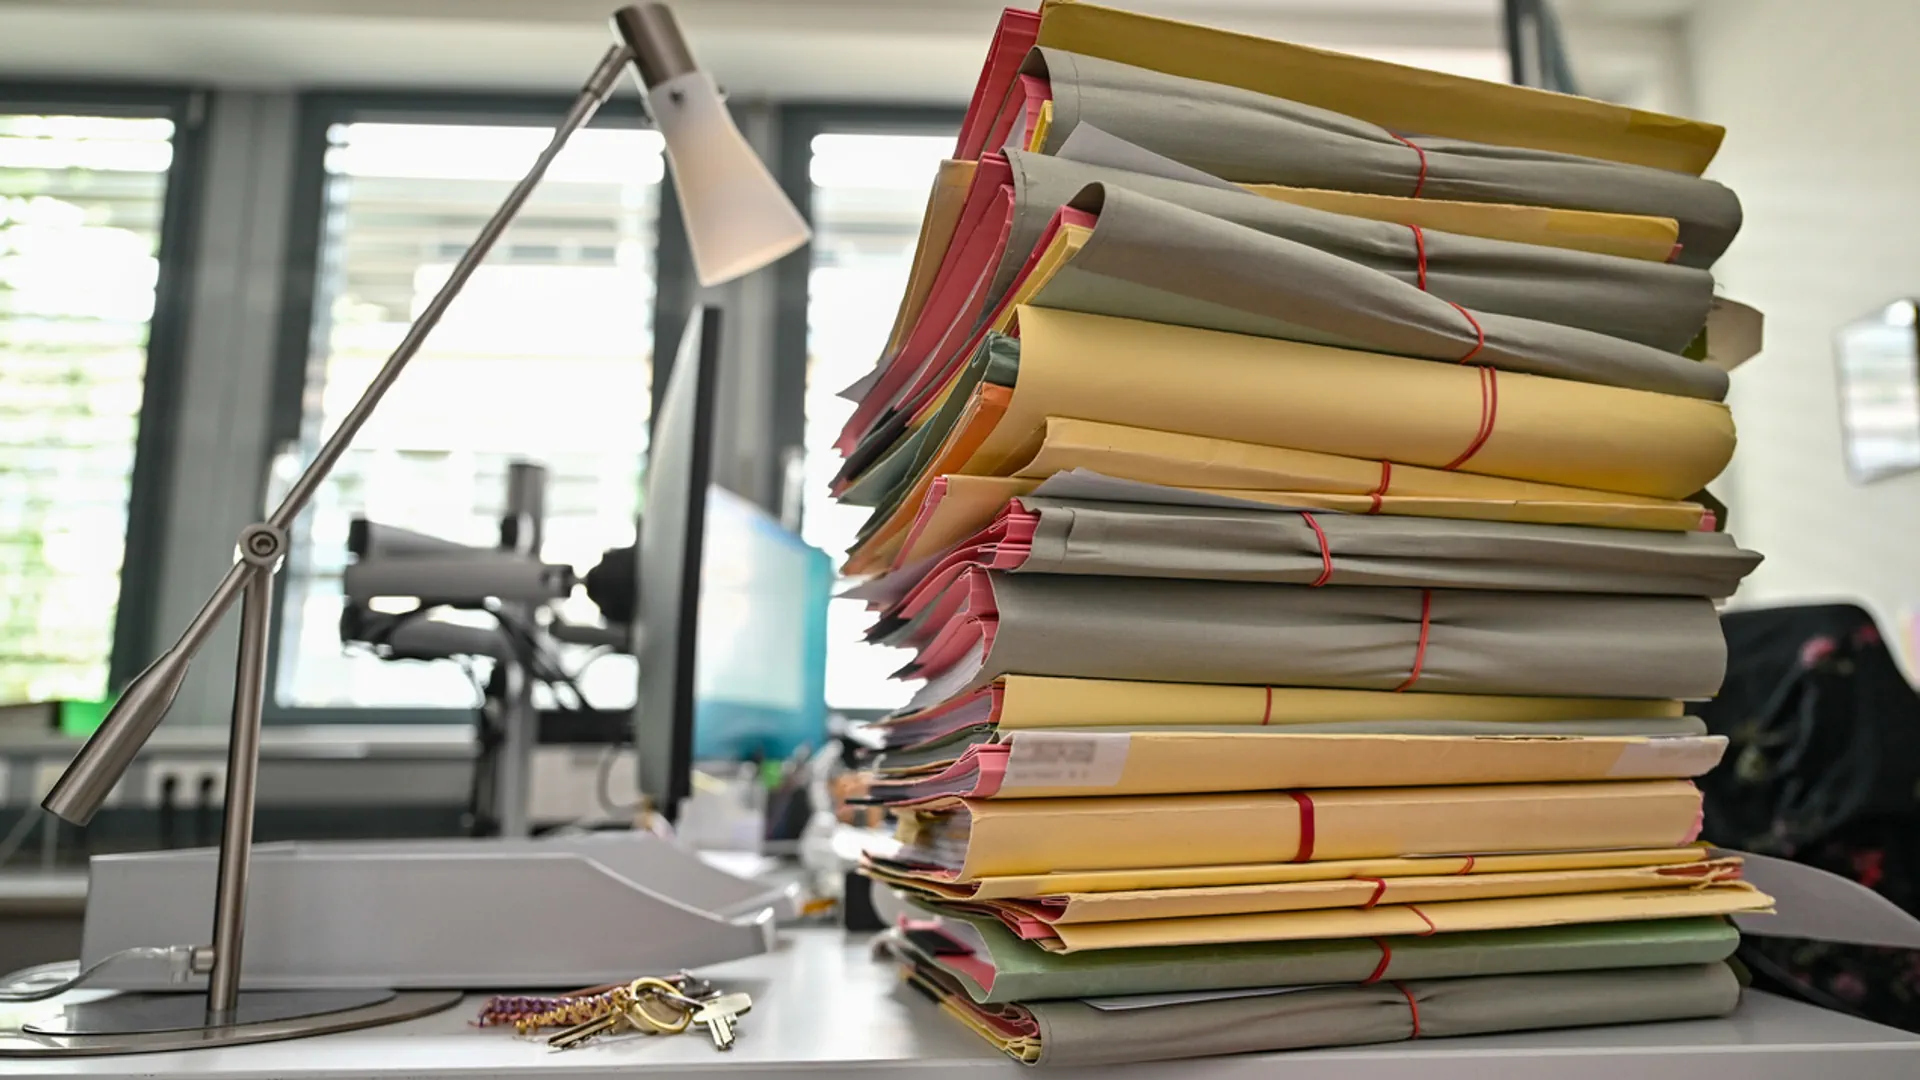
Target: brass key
(610,1021)
(718,1014)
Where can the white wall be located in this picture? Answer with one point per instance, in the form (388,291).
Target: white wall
(1823,149)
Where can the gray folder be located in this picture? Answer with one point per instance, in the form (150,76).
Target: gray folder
(1142,540)
(1076,1033)
(1360,638)
(1153,260)
(1249,137)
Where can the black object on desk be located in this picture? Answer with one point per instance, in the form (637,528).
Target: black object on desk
(672,536)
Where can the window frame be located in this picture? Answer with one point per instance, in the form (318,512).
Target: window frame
(136,635)
(798,124)
(293,339)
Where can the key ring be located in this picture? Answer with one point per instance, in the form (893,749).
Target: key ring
(645,990)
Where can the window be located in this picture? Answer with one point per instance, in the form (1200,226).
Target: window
(82,199)
(545,357)
(869,192)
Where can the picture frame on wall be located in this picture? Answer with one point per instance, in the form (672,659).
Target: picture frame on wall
(1877,363)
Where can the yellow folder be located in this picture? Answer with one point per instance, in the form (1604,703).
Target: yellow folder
(1352,403)
(1074,909)
(1510,913)
(1403,99)
(1066,764)
(1033,701)
(1180,878)
(1033,836)
(1225,466)
(944,203)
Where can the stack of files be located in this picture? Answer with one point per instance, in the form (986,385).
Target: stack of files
(1287,473)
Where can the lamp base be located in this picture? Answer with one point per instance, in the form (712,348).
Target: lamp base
(152,1023)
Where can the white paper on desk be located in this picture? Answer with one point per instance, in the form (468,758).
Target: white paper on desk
(1189,997)
(1091,146)
(1087,484)
(1813,904)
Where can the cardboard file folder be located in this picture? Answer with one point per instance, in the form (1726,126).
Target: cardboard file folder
(1395,96)
(1356,404)
(1071,909)
(967,839)
(1360,638)
(1059,764)
(1246,136)
(1117,1032)
(1013,201)
(1586,317)
(1351,484)
(1714,898)
(1336,874)
(990,965)
(1039,535)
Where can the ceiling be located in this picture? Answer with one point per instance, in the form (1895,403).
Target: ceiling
(894,50)
(905,51)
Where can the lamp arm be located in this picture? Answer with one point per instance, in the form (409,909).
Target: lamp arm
(112,748)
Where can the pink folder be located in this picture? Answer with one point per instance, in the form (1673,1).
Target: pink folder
(1011,41)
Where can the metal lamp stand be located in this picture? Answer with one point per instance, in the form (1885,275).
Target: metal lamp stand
(130,1023)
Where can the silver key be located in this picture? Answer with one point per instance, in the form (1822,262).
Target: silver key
(718,1014)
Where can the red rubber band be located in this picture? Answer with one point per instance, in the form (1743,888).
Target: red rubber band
(1379,890)
(1420,256)
(1431,929)
(1386,481)
(1326,553)
(1489,413)
(1467,868)
(1420,653)
(1386,959)
(1421,180)
(1305,802)
(1479,335)
(1267,716)
(1413,1008)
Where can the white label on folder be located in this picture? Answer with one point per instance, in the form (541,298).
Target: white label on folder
(1065,759)
(1660,757)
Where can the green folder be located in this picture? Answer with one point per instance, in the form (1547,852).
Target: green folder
(1024,972)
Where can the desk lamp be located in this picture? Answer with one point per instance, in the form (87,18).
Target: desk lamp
(738,220)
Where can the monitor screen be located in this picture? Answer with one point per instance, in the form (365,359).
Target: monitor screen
(761,673)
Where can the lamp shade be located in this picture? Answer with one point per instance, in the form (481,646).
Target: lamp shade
(738,220)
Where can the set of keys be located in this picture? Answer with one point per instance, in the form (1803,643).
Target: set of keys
(655,1007)
(647,1006)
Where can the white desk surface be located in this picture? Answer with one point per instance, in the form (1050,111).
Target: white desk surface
(825,1010)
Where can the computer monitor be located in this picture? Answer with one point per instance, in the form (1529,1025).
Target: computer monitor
(760,676)
(672,533)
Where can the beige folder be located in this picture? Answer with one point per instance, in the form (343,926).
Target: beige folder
(1032,701)
(1059,764)
(1256,875)
(1394,96)
(1356,404)
(1033,836)
(1068,909)
(1720,898)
